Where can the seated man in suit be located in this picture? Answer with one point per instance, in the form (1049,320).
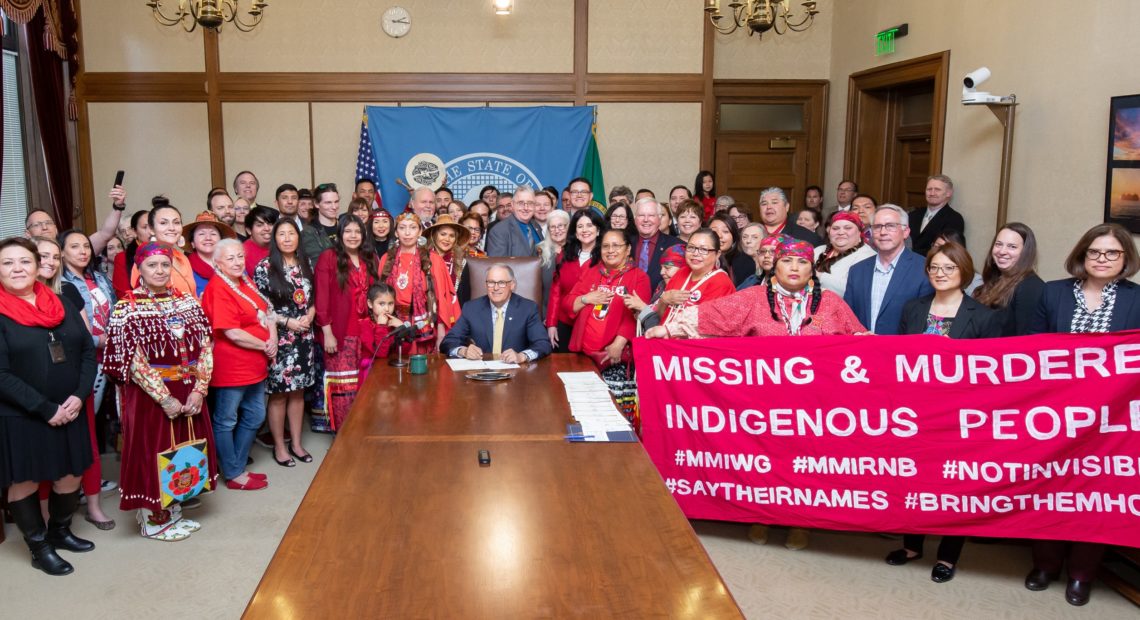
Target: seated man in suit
(516,234)
(929,222)
(879,286)
(505,324)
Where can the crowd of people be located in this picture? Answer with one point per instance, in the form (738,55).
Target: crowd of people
(252,314)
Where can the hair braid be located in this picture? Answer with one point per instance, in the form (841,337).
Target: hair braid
(772,296)
(429,284)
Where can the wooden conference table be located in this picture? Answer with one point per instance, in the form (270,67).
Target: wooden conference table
(402,522)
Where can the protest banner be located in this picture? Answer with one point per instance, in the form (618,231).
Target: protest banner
(1032,437)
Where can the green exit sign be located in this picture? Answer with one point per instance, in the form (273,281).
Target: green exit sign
(885,39)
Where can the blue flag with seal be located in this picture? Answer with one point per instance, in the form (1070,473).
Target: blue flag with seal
(470,148)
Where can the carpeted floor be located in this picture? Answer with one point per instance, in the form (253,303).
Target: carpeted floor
(213,574)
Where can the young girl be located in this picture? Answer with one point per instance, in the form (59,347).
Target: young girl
(375,328)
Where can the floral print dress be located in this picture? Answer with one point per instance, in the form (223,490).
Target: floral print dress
(294,368)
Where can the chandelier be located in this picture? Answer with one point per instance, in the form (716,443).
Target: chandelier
(760,16)
(209,14)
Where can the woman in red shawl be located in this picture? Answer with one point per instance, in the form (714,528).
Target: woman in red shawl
(425,294)
(341,280)
(603,326)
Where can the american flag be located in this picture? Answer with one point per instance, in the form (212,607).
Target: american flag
(365,160)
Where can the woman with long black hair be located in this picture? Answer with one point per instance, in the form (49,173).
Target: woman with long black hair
(286,280)
(342,277)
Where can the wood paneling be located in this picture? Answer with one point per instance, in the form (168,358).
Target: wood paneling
(123,87)
(640,87)
(399,87)
(869,116)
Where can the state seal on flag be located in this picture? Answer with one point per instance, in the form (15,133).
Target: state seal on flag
(467,174)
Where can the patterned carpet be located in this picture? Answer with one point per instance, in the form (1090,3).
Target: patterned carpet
(213,574)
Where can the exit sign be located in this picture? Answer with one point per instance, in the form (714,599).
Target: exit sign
(885,39)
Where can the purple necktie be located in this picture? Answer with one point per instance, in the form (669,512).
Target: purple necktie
(643,256)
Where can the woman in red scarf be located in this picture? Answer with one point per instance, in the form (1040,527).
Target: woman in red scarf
(47,370)
(699,281)
(425,294)
(603,326)
(448,240)
(341,280)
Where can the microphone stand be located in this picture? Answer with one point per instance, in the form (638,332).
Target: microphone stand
(399,335)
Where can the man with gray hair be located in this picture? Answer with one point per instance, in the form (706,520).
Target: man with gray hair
(516,234)
(621,193)
(879,286)
(723,203)
(937,217)
(774,215)
(422,203)
(506,325)
(650,242)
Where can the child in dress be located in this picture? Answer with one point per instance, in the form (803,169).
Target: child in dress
(374,329)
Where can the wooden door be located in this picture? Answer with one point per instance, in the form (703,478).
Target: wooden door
(911,167)
(746,166)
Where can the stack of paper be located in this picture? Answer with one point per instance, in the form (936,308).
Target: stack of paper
(461,365)
(597,419)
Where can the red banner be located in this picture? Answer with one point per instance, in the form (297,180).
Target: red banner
(1034,437)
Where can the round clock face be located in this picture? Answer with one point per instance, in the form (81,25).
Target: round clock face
(396,21)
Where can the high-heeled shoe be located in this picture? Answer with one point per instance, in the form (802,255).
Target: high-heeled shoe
(308,458)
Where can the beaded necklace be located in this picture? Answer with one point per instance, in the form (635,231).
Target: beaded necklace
(177,326)
(262,317)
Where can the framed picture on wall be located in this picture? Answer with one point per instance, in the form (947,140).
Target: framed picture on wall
(1122,184)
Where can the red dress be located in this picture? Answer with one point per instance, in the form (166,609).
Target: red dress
(145,353)
(747,313)
(596,327)
(373,345)
(342,309)
(407,278)
(565,278)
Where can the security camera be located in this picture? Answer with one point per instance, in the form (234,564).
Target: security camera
(977,77)
(973,79)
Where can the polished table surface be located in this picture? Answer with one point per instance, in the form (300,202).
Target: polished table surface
(402,522)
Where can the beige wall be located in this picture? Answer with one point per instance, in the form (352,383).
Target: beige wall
(447,36)
(792,56)
(121,35)
(1064,65)
(652,145)
(270,139)
(162,147)
(635,36)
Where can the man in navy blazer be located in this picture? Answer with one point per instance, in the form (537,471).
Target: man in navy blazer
(937,217)
(517,234)
(878,287)
(524,336)
(650,242)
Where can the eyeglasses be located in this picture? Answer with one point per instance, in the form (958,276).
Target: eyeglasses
(697,250)
(41,225)
(559,226)
(944,269)
(525,203)
(474,229)
(1109,255)
(498,283)
(892,227)
(613,246)
(579,192)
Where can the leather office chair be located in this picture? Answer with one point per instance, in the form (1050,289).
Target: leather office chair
(528,275)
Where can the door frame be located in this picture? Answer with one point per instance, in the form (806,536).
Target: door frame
(813,94)
(934,67)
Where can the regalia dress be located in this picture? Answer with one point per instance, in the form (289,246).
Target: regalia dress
(407,277)
(158,345)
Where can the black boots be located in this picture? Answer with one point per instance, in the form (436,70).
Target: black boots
(60,509)
(26,514)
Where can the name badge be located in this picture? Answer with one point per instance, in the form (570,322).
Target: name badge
(55,349)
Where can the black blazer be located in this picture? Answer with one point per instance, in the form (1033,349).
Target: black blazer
(523,329)
(1055,311)
(30,383)
(664,242)
(974,320)
(946,219)
(1018,315)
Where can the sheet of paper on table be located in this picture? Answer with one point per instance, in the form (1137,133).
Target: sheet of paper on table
(462,365)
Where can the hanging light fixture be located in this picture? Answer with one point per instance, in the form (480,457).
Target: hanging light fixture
(211,14)
(760,16)
(503,7)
